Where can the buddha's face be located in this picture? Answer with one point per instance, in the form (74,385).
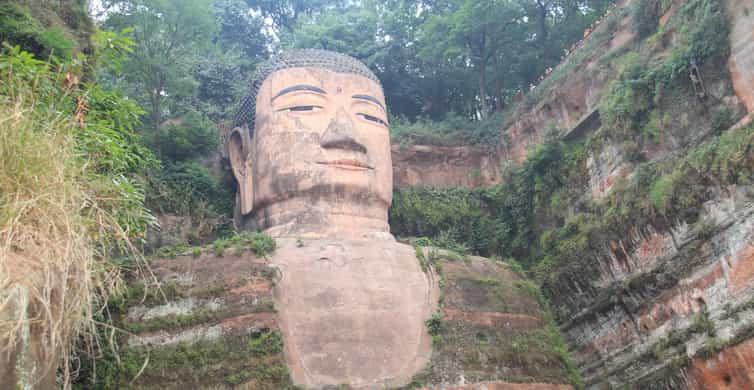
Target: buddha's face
(321,135)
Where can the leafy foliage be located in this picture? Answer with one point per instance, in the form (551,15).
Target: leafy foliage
(19,27)
(497,220)
(188,69)
(631,103)
(69,193)
(188,188)
(462,56)
(507,220)
(109,137)
(169,37)
(190,137)
(260,244)
(452,130)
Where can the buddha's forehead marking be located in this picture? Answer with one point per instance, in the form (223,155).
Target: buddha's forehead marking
(302,58)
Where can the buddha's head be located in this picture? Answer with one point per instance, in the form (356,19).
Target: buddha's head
(310,149)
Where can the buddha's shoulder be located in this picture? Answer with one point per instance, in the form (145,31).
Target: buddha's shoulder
(310,245)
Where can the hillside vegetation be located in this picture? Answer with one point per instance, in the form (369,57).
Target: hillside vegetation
(71,200)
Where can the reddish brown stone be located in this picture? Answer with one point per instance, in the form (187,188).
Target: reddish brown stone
(742,42)
(241,324)
(500,385)
(507,320)
(733,368)
(683,300)
(650,248)
(742,272)
(443,166)
(668,14)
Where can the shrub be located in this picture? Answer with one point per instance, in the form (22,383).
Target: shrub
(188,137)
(60,215)
(55,43)
(18,27)
(188,188)
(260,244)
(453,130)
(628,98)
(645,17)
(661,191)
(434,324)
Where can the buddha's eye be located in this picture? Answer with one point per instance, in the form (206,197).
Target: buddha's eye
(301,109)
(372,119)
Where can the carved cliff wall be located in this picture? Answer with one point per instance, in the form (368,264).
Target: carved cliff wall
(741,63)
(218,321)
(567,99)
(668,304)
(444,166)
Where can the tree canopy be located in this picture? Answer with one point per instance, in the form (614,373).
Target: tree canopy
(434,57)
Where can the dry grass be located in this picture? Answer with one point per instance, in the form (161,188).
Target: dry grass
(52,277)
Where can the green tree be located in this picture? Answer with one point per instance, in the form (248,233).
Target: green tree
(352,30)
(170,37)
(241,31)
(285,14)
(472,35)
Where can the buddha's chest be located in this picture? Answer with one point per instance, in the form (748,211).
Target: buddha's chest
(352,311)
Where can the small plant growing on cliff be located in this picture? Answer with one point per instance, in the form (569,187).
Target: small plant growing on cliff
(262,244)
(238,250)
(259,243)
(423,262)
(265,344)
(219,247)
(702,323)
(434,324)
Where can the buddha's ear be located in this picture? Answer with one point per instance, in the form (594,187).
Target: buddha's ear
(239,154)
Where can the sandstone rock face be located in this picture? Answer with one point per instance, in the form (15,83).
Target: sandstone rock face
(741,63)
(443,166)
(353,311)
(570,98)
(672,308)
(211,325)
(605,169)
(23,365)
(323,313)
(686,294)
(491,333)
(500,385)
(732,368)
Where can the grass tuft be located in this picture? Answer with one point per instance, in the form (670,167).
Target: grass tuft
(60,221)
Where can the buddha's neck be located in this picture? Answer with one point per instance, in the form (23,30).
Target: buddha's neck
(310,218)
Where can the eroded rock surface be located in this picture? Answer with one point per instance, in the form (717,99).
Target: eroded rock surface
(444,166)
(741,63)
(685,295)
(500,385)
(733,368)
(211,324)
(492,332)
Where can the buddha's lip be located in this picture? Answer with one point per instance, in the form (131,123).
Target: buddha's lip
(351,164)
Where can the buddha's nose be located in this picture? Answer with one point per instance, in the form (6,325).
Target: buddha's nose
(340,134)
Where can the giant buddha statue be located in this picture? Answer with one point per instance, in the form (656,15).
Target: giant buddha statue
(310,151)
